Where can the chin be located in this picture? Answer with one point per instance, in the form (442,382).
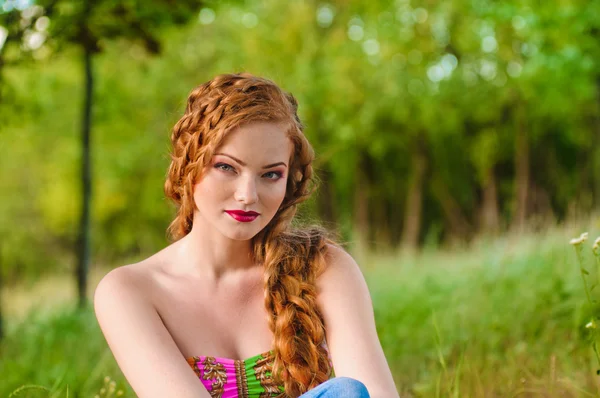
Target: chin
(242,231)
(240,235)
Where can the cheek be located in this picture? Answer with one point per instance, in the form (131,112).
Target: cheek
(197,195)
(276,194)
(211,185)
(205,192)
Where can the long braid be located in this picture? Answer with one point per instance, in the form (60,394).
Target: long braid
(292,262)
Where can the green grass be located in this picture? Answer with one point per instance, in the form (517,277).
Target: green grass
(503,318)
(64,352)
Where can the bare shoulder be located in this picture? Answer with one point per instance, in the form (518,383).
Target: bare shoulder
(341,282)
(120,280)
(125,283)
(141,344)
(337,256)
(136,281)
(341,266)
(124,280)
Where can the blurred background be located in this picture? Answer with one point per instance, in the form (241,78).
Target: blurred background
(458,148)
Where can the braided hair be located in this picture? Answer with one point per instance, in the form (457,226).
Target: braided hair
(292,258)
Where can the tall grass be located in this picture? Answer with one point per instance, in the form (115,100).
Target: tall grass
(504,318)
(63,352)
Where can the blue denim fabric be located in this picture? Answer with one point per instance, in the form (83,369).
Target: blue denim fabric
(344,387)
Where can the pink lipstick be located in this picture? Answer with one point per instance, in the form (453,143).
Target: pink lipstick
(242,216)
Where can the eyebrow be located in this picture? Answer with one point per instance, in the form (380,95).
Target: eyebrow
(244,164)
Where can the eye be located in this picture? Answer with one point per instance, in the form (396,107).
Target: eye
(273,175)
(224,167)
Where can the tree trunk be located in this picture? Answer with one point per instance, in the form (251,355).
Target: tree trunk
(489,213)
(380,223)
(455,219)
(521,171)
(325,197)
(540,207)
(414,200)
(84,240)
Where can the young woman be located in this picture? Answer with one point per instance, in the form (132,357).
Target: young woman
(242,304)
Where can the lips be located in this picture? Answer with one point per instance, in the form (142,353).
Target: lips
(242,216)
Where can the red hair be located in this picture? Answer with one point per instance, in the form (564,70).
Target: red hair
(292,257)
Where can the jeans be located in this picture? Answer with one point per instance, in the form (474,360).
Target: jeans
(344,387)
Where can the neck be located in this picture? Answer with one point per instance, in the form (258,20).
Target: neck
(211,255)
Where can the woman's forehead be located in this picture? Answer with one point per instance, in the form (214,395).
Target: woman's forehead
(258,141)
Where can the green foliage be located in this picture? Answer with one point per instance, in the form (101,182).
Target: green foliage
(590,277)
(489,321)
(377,82)
(504,317)
(64,353)
(456,82)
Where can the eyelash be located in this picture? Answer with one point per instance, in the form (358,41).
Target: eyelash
(227,167)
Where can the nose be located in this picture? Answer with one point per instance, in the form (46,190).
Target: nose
(246,190)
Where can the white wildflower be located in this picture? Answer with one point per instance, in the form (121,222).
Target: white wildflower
(596,246)
(590,325)
(577,241)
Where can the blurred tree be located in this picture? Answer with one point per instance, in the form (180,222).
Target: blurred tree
(432,122)
(448,104)
(85,24)
(12,34)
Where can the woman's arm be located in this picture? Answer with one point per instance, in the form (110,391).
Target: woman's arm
(352,339)
(141,344)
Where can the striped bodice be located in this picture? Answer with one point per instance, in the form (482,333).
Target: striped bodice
(235,378)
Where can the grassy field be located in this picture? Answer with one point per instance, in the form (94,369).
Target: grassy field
(503,318)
